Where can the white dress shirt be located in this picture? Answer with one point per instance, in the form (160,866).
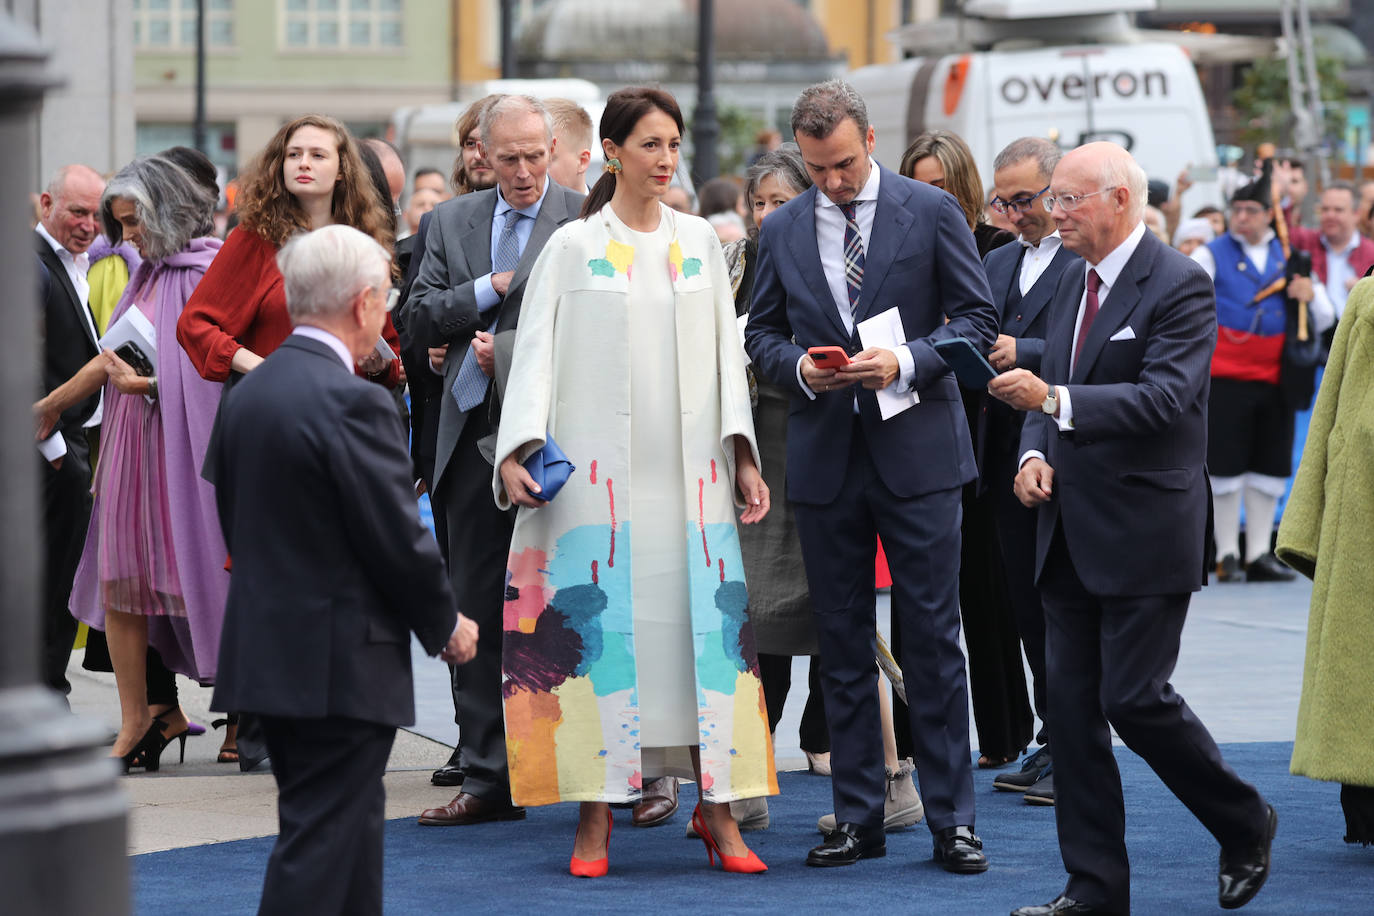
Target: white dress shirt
(1108,270)
(1339,272)
(1321,309)
(324,337)
(1036,258)
(830,227)
(77,266)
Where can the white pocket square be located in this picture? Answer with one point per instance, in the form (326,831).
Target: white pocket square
(1124,334)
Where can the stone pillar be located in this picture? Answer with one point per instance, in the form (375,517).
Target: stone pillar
(63,818)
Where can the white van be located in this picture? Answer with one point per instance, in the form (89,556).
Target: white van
(1143,96)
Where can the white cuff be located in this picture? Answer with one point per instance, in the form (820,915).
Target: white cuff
(801,383)
(1030,453)
(1065,418)
(906,370)
(53,447)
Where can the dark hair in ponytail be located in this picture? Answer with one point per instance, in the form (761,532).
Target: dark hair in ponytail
(624,109)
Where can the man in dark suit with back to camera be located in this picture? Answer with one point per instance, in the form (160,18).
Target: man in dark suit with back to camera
(866,244)
(1112,454)
(332,572)
(70,221)
(479,249)
(1023,278)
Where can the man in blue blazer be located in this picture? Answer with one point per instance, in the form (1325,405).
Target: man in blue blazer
(1023,278)
(332,573)
(865,243)
(1112,454)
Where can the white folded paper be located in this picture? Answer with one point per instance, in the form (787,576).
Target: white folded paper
(133,327)
(885,330)
(384,350)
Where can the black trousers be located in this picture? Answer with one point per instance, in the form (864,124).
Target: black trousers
(331,810)
(921,538)
(776,673)
(1109,661)
(478,550)
(66,515)
(1016,533)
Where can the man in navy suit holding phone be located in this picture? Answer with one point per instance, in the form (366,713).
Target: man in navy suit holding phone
(865,243)
(1112,454)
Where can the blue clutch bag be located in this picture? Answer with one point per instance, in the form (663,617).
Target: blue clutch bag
(550,468)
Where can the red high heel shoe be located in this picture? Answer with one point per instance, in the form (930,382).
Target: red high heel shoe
(740,865)
(593,868)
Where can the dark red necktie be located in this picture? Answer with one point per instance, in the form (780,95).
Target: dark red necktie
(1089,313)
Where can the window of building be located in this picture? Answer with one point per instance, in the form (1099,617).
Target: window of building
(355,25)
(171,24)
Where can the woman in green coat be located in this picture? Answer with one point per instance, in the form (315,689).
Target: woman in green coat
(1327,534)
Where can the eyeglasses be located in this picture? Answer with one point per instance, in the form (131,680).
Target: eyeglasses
(1017,204)
(392,298)
(1247,209)
(1071,202)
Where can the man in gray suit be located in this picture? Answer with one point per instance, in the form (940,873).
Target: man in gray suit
(477,259)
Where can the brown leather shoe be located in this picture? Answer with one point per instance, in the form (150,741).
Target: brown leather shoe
(658,803)
(469,809)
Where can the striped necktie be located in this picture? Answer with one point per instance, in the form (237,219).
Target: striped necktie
(853,254)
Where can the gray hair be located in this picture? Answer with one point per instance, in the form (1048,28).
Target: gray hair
(785,164)
(1046,154)
(821,108)
(323,270)
(171,205)
(1124,172)
(508,105)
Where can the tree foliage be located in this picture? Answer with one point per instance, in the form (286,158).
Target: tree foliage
(1262,99)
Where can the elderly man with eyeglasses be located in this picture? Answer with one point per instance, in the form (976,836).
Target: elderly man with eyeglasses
(1256,392)
(1023,278)
(1112,456)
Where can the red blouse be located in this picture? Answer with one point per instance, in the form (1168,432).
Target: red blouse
(241,302)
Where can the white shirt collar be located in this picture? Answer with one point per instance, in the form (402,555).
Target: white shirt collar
(532,211)
(60,250)
(324,337)
(1354,243)
(1053,238)
(1262,243)
(1110,267)
(868,192)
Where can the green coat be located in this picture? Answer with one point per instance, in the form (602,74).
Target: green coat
(1327,534)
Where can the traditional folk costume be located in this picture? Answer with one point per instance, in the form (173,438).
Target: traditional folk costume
(1251,408)
(627,639)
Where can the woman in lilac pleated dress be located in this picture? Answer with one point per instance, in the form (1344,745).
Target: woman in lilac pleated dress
(152,571)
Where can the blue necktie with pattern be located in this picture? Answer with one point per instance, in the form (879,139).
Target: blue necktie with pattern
(853,255)
(470,387)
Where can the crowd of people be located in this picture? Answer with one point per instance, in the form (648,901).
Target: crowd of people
(666,452)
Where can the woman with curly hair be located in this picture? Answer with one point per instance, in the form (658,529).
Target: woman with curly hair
(308,176)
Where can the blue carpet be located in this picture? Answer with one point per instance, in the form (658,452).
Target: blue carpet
(522,865)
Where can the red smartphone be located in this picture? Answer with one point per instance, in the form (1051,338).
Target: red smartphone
(828,357)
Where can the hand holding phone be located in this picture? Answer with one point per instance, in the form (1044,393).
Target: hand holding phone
(828,357)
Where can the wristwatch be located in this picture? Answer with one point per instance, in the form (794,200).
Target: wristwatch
(1051,402)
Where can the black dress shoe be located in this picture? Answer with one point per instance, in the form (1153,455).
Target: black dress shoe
(450,774)
(1243,873)
(1228,569)
(1059,906)
(1268,569)
(847,845)
(959,851)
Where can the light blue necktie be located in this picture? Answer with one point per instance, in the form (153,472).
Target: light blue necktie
(470,387)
